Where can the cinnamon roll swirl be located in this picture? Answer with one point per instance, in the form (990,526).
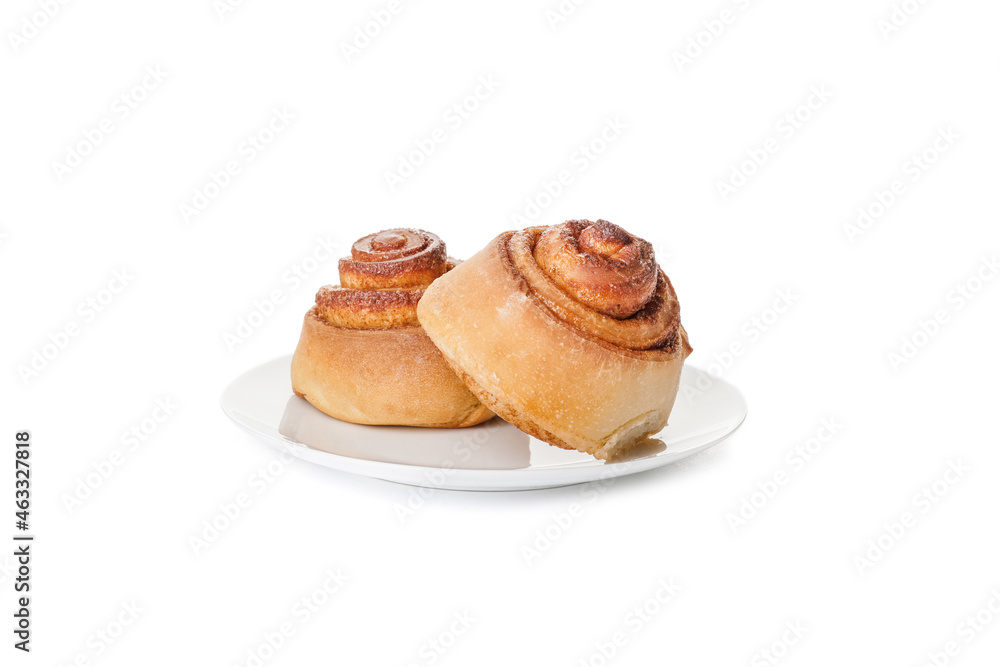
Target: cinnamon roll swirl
(572,333)
(363,357)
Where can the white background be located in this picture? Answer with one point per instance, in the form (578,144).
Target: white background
(687,126)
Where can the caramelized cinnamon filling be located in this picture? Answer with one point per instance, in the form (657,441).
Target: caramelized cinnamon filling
(600,279)
(383,279)
(395,258)
(600,265)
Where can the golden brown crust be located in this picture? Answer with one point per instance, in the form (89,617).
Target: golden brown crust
(368,309)
(539,364)
(507,412)
(362,356)
(654,325)
(598,264)
(394,259)
(380,376)
(383,279)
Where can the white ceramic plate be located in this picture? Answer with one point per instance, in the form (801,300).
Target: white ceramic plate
(493,456)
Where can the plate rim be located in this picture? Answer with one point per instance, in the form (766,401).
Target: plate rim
(479,479)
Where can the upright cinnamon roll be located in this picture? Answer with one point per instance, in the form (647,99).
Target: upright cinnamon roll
(363,356)
(572,333)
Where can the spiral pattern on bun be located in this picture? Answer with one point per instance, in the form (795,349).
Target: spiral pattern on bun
(364,358)
(572,333)
(601,279)
(383,279)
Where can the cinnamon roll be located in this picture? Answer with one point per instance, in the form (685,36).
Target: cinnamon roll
(572,333)
(363,357)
